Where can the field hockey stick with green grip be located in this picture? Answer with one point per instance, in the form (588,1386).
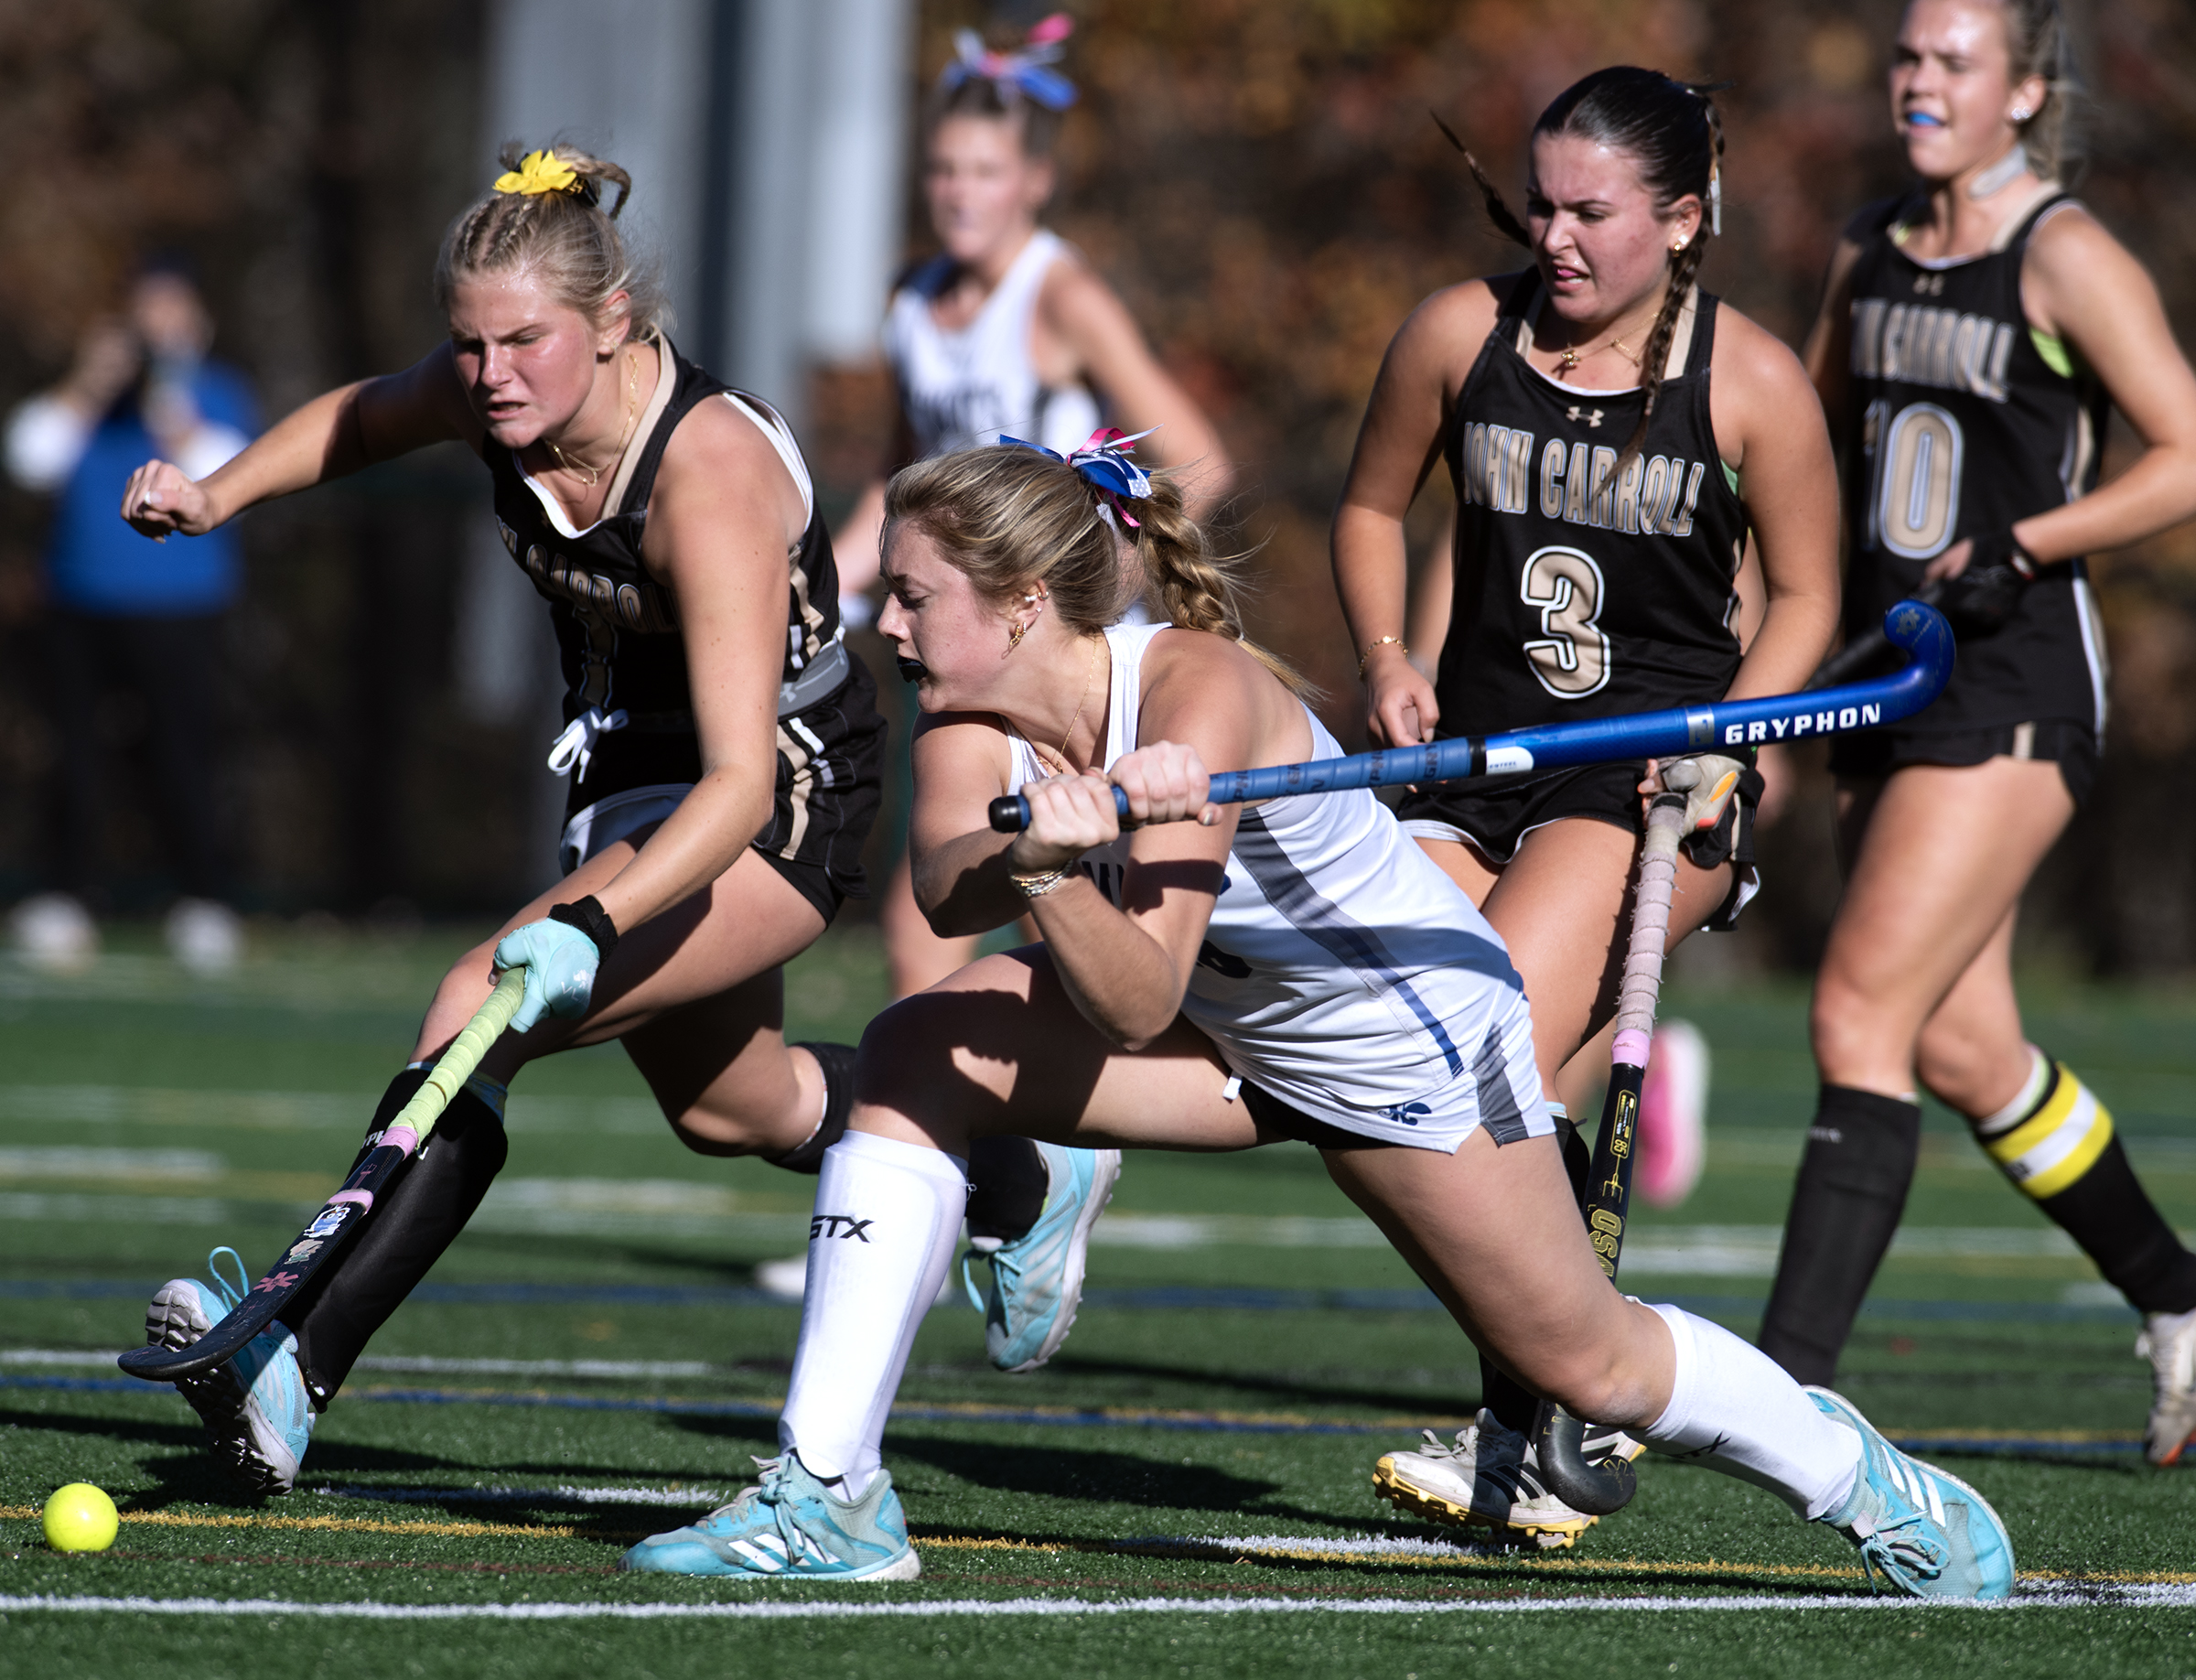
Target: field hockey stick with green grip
(1914,627)
(1607,1485)
(342,1214)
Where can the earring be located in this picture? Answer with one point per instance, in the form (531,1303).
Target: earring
(2022,114)
(1013,636)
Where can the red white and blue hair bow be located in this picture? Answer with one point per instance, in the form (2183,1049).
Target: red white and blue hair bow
(1105,464)
(1023,72)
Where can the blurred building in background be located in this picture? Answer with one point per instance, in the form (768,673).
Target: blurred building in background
(1257,178)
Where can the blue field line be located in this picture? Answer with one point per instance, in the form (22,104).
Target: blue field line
(1157,1298)
(1186,1422)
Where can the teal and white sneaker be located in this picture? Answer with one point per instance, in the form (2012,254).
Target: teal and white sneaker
(791,1527)
(258,1419)
(1037,1279)
(1924,1533)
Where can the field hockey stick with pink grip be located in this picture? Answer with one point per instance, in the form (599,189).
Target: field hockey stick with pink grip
(342,1215)
(1600,1487)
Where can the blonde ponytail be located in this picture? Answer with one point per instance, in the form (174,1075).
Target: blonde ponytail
(1009,517)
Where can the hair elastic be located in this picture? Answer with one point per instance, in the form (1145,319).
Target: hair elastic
(1104,465)
(540,172)
(1021,73)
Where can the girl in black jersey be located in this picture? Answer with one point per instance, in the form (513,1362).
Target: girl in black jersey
(1611,433)
(1971,336)
(722,747)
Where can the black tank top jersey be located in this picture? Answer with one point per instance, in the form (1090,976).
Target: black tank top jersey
(1581,592)
(618,628)
(1957,426)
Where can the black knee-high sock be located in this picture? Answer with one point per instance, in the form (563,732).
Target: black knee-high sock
(2060,1151)
(1859,1166)
(1513,1404)
(402,1237)
(1007,1184)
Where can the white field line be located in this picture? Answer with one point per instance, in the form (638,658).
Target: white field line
(682,1499)
(296,1111)
(609,1370)
(2055,1596)
(76,1162)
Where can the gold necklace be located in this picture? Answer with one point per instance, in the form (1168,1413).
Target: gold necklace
(591,476)
(1089,672)
(1569,357)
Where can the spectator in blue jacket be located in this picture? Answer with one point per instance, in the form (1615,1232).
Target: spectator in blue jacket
(123,614)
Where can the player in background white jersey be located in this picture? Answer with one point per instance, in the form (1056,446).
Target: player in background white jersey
(1007,329)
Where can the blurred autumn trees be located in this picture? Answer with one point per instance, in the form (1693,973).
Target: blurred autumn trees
(1259,178)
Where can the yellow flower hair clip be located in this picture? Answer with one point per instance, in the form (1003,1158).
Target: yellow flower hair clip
(538,172)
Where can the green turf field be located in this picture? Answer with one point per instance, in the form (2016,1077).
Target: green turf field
(1184,1491)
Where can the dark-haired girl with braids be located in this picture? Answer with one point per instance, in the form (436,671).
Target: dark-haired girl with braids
(1612,433)
(1973,335)
(1217,978)
(722,747)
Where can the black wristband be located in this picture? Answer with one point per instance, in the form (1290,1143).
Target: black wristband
(590,919)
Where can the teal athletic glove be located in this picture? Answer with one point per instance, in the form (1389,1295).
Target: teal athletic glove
(560,956)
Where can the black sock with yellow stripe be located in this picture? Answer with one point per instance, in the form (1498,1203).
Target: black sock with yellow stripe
(2055,1141)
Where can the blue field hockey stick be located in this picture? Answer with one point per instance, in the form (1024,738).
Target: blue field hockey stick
(1914,627)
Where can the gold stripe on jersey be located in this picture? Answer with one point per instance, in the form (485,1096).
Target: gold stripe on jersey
(2057,1142)
(1922,344)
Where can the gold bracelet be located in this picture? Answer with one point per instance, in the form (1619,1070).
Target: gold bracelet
(1372,647)
(1038,882)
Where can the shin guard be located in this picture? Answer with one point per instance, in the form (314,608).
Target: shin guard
(2055,1142)
(1845,1207)
(405,1235)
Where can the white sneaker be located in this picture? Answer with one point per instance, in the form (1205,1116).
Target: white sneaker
(54,931)
(2168,1340)
(1485,1480)
(204,936)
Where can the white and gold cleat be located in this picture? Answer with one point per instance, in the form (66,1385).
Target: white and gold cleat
(1486,1479)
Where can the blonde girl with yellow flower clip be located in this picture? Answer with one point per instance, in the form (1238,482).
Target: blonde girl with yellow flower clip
(723,749)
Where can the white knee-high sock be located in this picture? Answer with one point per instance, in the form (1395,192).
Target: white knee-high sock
(1734,1409)
(886,1219)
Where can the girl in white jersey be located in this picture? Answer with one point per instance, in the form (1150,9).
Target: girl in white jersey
(1294,969)
(1007,330)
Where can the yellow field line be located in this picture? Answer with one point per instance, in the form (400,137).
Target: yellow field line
(364,1525)
(1310,1550)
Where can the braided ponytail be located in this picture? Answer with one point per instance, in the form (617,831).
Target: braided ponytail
(1498,209)
(1009,517)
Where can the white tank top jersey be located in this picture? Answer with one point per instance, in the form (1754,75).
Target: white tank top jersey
(962,389)
(1343,972)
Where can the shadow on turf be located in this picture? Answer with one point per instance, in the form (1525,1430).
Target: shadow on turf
(1409,1401)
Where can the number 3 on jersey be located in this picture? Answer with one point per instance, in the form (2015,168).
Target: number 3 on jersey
(1916,507)
(1570,657)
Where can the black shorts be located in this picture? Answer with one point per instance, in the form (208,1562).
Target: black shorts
(824,801)
(1496,817)
(2070,745)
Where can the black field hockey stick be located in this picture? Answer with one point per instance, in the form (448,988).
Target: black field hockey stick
(1597,1489)
(1854,660)
(1914,627)
(340,1219)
